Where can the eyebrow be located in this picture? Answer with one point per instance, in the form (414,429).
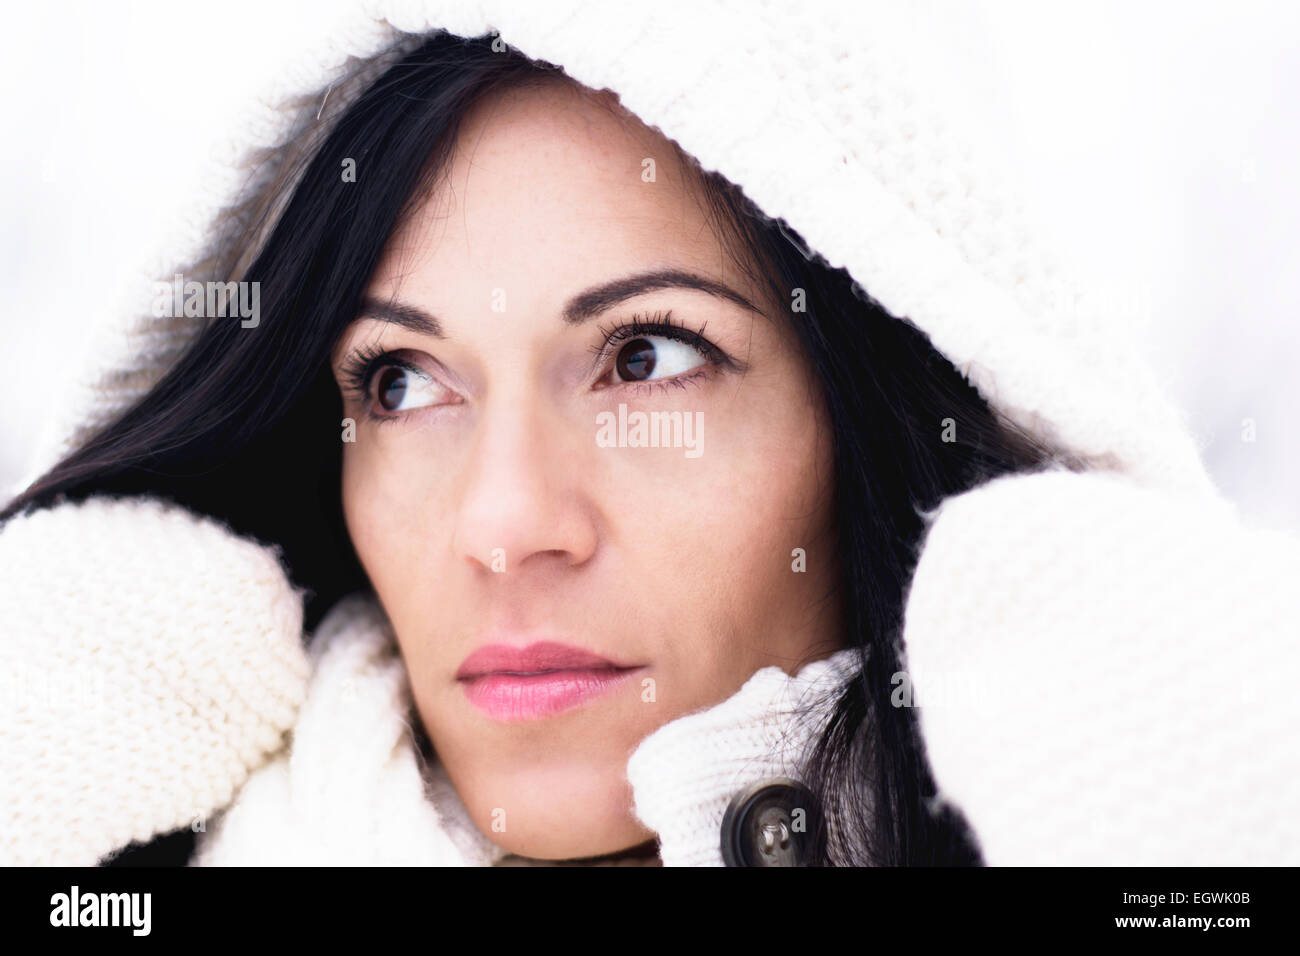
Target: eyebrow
(594,301)
(585,305)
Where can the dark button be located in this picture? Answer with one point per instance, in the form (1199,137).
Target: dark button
(771,823)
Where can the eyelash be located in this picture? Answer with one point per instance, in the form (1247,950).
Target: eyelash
(660,324)
(358,370)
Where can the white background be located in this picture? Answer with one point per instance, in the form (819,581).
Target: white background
(1162,140)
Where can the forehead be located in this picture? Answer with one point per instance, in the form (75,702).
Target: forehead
(550,187)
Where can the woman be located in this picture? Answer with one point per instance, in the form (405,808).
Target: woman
(614,518)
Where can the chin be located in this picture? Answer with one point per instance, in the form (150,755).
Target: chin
(574,842)
(544,817)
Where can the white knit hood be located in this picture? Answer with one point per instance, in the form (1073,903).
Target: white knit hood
(1074,597)
(821,112)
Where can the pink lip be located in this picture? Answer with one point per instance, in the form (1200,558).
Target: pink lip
(544,679)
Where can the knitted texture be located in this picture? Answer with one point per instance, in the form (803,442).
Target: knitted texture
(1106,675)
(831,116)
(151,659)
(1128,642)
(349,790)
(685,773)
(1130,655)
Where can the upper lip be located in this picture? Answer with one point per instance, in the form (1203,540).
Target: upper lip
(536,658)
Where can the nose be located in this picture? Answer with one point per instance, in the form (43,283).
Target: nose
(523,505)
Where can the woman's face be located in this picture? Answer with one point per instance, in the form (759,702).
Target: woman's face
(504,501)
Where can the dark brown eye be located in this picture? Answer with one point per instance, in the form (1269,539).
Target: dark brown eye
(636,360)
(392,387)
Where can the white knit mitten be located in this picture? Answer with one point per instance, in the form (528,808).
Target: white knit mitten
(685,774)
(150,659)
(1106,675)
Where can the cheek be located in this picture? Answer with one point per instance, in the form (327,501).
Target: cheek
(714,545)
(768,488)
(365,507)
(384,505)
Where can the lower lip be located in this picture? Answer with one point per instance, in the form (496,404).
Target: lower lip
(516,697)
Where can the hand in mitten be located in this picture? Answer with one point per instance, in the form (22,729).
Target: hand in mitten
(685,774)
(1105,674)
(150,658)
